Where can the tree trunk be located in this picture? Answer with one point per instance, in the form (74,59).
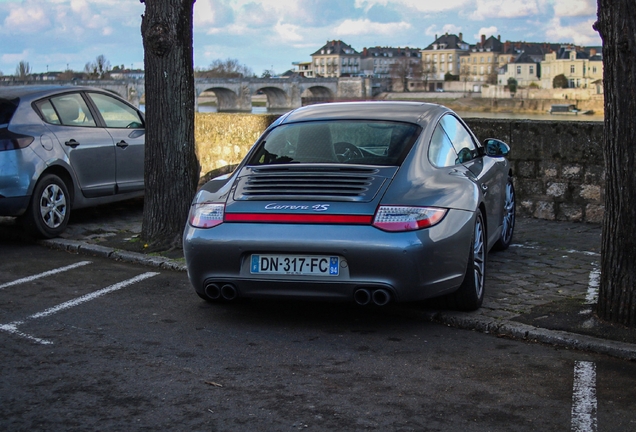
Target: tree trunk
(617,27)
(171,166)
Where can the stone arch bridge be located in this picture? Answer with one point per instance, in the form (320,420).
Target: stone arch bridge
(235,94)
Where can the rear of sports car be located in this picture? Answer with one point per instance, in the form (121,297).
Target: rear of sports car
(331,210)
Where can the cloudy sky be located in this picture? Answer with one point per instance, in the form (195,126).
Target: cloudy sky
(271,34)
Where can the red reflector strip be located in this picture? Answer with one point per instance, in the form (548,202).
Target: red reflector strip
(298,218)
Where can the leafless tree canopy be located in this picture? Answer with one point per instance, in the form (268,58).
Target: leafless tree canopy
(229,68)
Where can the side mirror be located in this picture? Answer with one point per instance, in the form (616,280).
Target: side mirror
(496,148)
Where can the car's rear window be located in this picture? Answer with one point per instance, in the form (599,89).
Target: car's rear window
(7,108)
(342,141)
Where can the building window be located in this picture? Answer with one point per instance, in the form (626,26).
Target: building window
(572,69)
(450,58)
(518,70)
(593,69)
(531,68)
(442,57)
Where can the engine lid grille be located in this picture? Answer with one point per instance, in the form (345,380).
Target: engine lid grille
(310,183)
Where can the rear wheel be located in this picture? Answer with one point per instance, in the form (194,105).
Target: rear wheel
(508,224)
(470,294)
(49,209)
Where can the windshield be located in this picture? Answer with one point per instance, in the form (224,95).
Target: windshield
(342,141)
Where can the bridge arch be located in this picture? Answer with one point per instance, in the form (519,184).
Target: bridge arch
(226,99)
(317,93)
(276,97)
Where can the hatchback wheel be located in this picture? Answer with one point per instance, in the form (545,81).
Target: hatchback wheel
(49,210)
(509,211)
(470,294)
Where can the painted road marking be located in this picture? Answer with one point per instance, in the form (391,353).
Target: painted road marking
(13,327)
(584,397)
(592,289)
(45,274)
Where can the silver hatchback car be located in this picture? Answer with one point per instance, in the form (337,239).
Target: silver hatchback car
(369,202)
(63,148)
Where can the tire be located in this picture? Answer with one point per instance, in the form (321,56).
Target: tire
(508,223)
(49,210)
(470,294)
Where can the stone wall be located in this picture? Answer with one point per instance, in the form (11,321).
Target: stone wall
(558,165)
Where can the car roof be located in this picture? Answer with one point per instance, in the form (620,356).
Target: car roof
(411,112)
(32,92)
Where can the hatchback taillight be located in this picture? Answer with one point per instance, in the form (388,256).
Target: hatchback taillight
(206,215)
(13,141)
(402,218)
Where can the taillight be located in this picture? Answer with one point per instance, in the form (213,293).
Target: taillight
(13,141)
(401,218)
(206,215)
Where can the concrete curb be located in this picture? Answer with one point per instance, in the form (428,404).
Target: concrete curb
(527,332)
(461,320)
(108,252)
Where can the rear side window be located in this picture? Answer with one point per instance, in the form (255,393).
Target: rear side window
(342,141)
(71,110)
(115,113)
(7,108)
(462,140)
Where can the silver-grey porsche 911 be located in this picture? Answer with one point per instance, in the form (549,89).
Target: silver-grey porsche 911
(370,202)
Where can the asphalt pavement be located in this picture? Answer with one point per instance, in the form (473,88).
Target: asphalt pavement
(543,288)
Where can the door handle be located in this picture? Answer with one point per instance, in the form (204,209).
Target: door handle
(122,144)
(72,143)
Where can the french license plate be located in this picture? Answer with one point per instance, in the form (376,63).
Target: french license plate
(317,265)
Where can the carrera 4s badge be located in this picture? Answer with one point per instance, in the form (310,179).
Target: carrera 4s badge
(315,207)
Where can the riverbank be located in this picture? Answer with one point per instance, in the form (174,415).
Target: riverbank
(474,103)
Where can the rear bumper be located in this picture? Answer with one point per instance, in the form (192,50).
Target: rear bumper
(411,266)
(13,206)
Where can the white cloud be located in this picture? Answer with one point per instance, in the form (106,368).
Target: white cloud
(16,57)
(29,18)
(486,9)
(361,27)
(447,28)
(574,8)
(288,32)
(487,31)
(420,5)
(580,34)
(203,13)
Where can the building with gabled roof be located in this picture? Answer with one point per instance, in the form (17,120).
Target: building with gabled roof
(380,62)
(580,66)
(443,56)
(335,59)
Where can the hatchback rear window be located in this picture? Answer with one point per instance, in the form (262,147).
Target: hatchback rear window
(342,141)
(7,108)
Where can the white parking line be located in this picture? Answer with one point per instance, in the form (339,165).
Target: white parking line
(13,327)
(592,289)
(584,397)
(45,274)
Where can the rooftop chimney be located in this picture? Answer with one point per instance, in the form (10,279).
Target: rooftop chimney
(483,40)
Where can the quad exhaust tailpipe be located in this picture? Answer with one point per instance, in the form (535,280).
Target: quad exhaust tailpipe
(379,297)
(226,291)
(213,291)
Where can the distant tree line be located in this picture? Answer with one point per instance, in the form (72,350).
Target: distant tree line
(230,68)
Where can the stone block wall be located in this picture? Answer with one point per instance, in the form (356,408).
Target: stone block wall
(558,166)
